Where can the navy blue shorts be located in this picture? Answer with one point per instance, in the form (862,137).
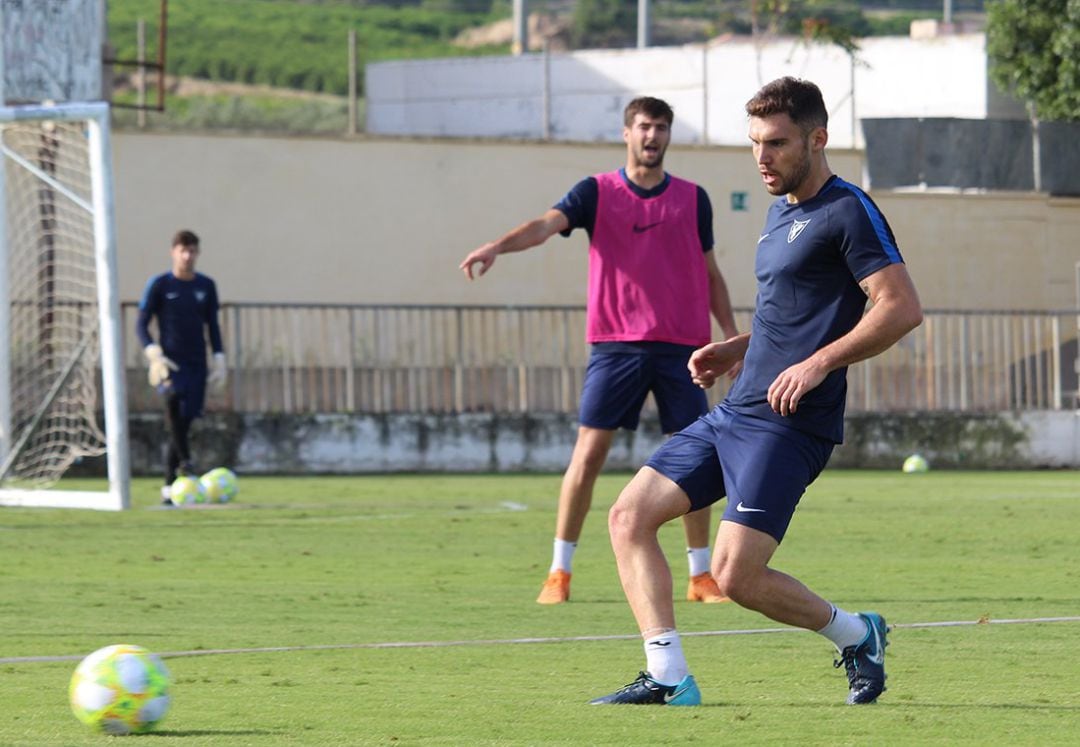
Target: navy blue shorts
(616,384)
(763,468)
(189,386)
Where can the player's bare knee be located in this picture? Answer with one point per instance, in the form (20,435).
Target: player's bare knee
(590,461)
(734,581)
(621,520)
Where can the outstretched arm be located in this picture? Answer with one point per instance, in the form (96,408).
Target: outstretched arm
(896,311)
(525,236)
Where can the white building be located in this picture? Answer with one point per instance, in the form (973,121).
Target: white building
(579,96)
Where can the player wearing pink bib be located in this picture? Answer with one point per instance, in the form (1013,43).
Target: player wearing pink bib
(653,281)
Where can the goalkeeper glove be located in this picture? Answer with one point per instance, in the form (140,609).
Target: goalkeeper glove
(217,371)
(160,366)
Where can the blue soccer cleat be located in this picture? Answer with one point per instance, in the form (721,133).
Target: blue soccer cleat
(647,691)
(865,662)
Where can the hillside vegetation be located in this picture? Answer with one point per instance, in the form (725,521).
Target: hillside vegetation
(288,44)
(302,45)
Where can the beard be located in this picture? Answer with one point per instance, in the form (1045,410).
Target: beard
(788,183)
(649,160)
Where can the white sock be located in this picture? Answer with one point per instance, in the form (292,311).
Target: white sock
(845,629)
(664,658)
(562,555)
(698,558)
(166,491)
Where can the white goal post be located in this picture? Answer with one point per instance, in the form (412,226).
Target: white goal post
(59,307)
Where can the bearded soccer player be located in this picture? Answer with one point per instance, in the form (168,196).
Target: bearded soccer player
(653,281)
(825,250)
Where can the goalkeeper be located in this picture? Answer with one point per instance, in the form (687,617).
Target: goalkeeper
(184,303)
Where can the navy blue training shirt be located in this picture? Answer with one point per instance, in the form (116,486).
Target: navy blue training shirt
(579,206)
(810,259)
(182,308)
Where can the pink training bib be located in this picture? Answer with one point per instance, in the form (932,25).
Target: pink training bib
(647,275)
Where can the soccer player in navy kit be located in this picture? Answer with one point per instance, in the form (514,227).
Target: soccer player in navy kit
(184,303)
(825,250)
(653,282)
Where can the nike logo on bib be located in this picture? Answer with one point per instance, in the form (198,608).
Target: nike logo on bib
(646,227)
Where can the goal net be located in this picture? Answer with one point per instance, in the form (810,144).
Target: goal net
(62,393)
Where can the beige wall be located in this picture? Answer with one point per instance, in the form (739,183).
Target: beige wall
(387,221)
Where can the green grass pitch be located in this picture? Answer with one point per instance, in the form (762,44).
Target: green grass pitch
(274,613)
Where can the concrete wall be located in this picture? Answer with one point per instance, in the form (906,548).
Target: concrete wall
(387,220)
(707,85)
(344,444)
(51,50)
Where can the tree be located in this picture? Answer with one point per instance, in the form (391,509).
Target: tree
(604,23)
(1034,51)
(825,21)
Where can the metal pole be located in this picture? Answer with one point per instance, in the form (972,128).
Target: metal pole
(643,24)
(947,12)
(521,28)
(1036,151)
(546,101)
(854,119)
(162,21)
(705,94)
(6,394)
(1076,362)
(352,82)
(113,383)
(140,57)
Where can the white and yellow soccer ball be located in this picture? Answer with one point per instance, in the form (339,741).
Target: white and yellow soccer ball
(187,491)
(220,485)
(916,463)
(120,689)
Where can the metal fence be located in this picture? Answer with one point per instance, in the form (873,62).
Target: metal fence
(320,358)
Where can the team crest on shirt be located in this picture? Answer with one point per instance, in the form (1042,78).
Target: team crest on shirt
(797,228)
(200,296)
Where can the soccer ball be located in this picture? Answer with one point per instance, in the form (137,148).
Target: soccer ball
(915,463)
(220,485)
(120,689)
(187,490)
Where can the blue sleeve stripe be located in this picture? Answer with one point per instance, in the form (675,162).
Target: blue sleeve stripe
(877,220)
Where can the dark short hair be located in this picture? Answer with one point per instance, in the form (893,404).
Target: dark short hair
(650,107)
(185,238)
(799,99)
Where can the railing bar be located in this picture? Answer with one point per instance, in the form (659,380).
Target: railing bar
(452,358)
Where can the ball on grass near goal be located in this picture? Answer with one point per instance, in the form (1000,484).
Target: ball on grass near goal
(120,689)
(220,485)
(186,491)
(916,463)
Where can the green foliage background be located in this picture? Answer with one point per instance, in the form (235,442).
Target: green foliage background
(288,44)
(1034,49)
